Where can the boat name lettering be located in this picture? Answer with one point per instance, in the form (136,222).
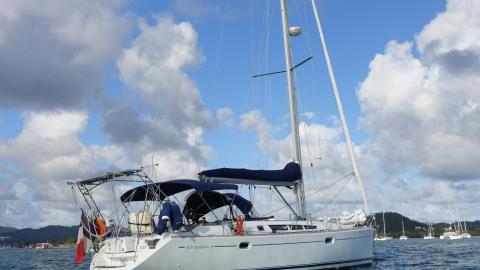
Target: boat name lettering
(199,246)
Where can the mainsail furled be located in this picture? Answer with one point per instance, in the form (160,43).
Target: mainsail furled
(288,176)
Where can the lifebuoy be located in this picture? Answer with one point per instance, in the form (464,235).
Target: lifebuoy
(101,227)
(239,227)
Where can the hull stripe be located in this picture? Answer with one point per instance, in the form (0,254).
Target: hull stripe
(306,242)
(299,266)
(290,243)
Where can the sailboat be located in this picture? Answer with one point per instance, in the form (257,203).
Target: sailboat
(430,234)
(403,236)
(43,245)
(451,233)
(465,231)
(456,230)
(159,235)
(384,236)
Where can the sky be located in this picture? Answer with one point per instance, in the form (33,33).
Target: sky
(94,86)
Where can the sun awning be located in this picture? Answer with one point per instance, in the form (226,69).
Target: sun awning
(285,177)
(159,191)
(199,204)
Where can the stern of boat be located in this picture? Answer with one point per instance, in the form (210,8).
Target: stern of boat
(126,253)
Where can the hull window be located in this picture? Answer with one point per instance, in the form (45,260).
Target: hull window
(275,228)
(244,245)
(329,240)
(296,227)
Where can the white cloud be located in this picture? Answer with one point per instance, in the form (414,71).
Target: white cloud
(454,29)
(46,154)
(423,107)
(324,156)
(85,36)
(308,115)
(225,116)
(53,53)
(323,147)
(46,135)
(425,110)
(155,65)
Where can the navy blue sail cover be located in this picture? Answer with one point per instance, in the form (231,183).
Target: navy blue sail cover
(285,177)
(199,204)
(159,191)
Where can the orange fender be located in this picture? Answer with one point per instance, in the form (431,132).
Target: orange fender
(239,227)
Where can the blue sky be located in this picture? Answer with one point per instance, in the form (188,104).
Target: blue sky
(91,86)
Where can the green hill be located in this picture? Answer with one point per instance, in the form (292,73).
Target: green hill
(49,233)
(413,228)
(6,230)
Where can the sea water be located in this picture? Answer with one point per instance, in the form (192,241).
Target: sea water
(392,254)
(427,254)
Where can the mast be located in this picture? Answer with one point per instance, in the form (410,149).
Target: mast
(384,227)
(403,228)
(299,187)
(458,224)
(346,131)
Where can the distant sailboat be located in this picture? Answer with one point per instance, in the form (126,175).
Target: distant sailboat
(465,231)
(403,237)
(452,233)
(42,245)
(430,234)
(384,236)
(456,232)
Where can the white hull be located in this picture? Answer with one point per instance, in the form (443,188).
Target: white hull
(451,236)
(383,238)
(403,237)
(291,250)
(428,237)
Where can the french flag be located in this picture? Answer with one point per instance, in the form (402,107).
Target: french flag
(81,251)
(86,234)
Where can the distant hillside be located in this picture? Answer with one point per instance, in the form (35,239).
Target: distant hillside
(393,222)
(49,233)
(413,228)
(6,230)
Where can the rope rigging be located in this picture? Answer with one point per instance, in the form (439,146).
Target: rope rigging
(317,191)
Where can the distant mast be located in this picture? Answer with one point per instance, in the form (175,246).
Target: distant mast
(299,187)
(384,226)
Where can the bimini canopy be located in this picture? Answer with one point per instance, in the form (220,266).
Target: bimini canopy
(286,177)
(199,204)
(159,191)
